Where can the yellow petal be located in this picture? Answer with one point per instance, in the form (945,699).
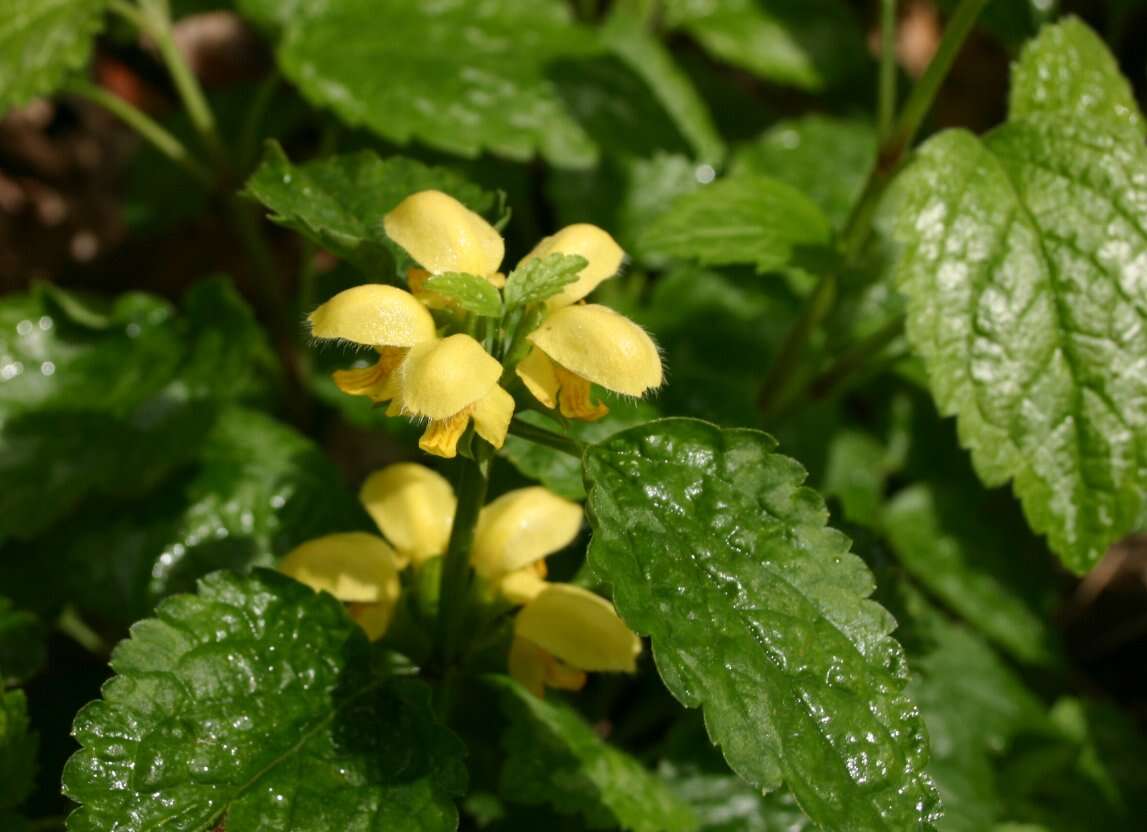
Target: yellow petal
(352,566)
(497,280)
(602,253)
(537,372)
(413,507)
(441,435)
(575,398)
(439,379)
(535,669)
(375,315)
(601,346)
(522,586)
(580,628)
(521,527)
(374,381)
(527,665)
(373,618)
(443,235)
(492,416)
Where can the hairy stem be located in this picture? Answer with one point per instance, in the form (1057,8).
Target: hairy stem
(541,436)
(886,93)
(145,126)
(155,21)
(454,588)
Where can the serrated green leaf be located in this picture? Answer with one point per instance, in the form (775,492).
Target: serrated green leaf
(21,644)
(472,293)
(458,76)
(759,614)
(1068,71)
(749,219)
(256,703)
(1022,260)
(17,749)
(960,546)
(804,43)
(558,471)
(257,490)
(338,202)
(627,37)
(41,42)
(825,158)
(554,757)
(111,398)
(541,278)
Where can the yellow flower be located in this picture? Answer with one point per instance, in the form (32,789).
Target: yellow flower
(388,319)
(562,630)
(359,569)
(442,235)
(583,344)
(413,507)
(451,382)
(602,253)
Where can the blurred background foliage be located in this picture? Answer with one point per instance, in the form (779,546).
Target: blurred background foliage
(162,415)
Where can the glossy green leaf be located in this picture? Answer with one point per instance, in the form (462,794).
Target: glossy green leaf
(748,219)
(803,43)
(338,202)
(458,76)
(17,750)
(256,704)
(1068,71)
(111,398)
(1022,261)
(541,278)
(41,41)
(558,471)
(827,159)
(961,546)
(21,644)
(627,37)
(257,490)
(470,292)
(759,614)
(554,757)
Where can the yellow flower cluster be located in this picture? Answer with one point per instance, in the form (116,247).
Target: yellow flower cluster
(560,632)
(450,380)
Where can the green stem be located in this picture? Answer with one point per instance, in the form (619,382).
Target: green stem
(248,137)
(886,96)
(155,21)
(892,151)
(145,126)
(454,589)
(816,306)
(925,90)
(541,436)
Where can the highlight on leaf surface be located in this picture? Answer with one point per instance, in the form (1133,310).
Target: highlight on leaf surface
(759,614)
(244,705)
